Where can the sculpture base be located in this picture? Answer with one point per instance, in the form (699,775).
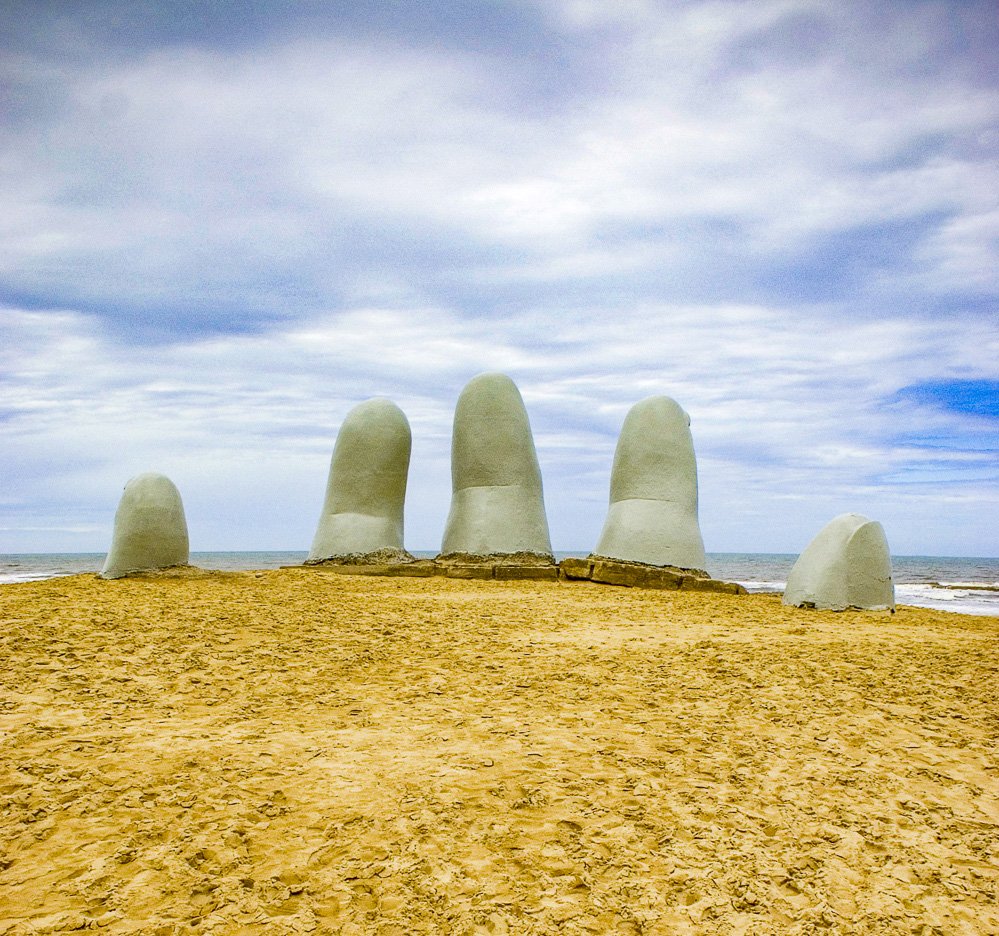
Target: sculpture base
(535,567)
(386,556)
(640,575)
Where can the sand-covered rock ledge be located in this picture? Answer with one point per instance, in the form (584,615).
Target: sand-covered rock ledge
(304,752)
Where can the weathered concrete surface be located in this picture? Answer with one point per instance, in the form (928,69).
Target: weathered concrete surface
(576,569)
(366,490)
(515,559)
(640,575)
(150,530)
(380,557)
(526,566)
(635,575)
(456,570)
(504,566)
(696,583)
(535,573)
(468,571)
(497,503)
(652,516)
(847,565)
(501,571)
(418,569)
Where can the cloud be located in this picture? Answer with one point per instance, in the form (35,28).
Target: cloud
(197,187)
(782,409)
(220,236)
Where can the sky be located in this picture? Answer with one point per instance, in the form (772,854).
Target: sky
(225,225)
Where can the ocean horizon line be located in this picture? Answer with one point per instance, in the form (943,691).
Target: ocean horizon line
(965,584)
(434,552)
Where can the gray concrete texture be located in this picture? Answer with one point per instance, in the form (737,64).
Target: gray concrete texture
(366,489)
(847,565)
(652,516)
(497,502)
(150,530)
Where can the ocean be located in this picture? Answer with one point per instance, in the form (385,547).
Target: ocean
(963,584)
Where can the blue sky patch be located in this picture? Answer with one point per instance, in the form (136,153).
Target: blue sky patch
(974,397)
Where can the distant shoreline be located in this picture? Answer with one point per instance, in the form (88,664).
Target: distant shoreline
(963,584)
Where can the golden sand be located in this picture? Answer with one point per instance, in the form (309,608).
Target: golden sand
(301,752)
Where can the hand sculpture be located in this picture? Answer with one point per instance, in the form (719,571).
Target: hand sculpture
(497,504)
(366,490)
(150,531)
(653,492)
(847,565)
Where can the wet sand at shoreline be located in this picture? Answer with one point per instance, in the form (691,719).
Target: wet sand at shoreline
(300,752)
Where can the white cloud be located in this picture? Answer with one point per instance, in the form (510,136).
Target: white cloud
(289,227)
(781,407)
(186,172)
(963,253)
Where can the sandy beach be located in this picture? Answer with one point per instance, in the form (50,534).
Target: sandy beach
(296,751)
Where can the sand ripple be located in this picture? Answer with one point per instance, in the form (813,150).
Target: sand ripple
(300,752)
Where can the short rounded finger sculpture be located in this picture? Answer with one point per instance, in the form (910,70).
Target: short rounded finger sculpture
(150,530)
(366,490)
(847,565)
(653,492)
(497,502)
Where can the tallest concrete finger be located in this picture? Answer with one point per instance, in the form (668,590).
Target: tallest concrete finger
(497,502)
